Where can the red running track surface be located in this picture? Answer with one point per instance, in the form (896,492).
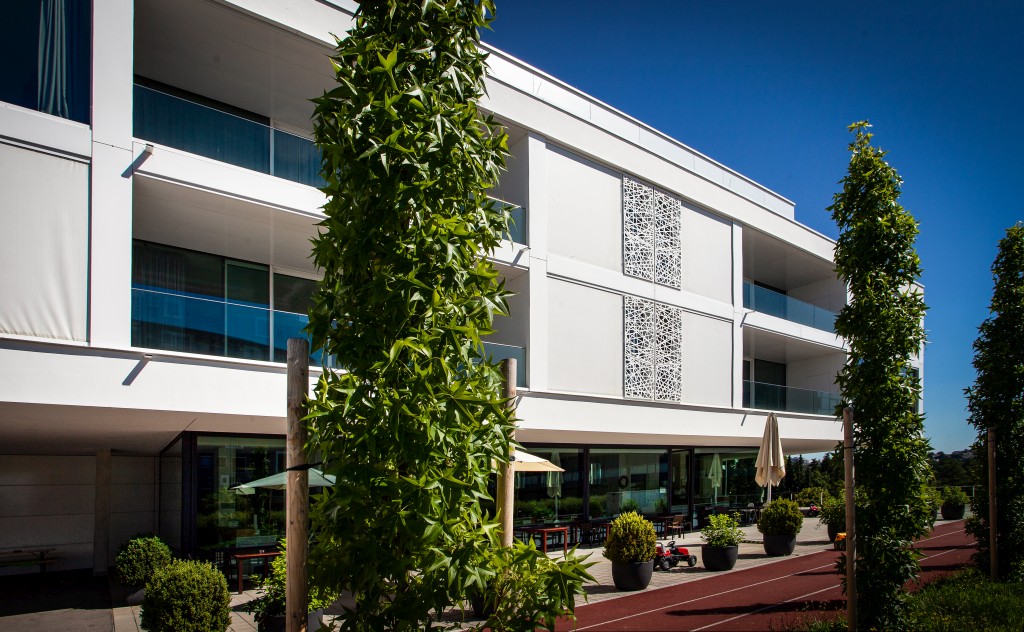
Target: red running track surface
(774,596)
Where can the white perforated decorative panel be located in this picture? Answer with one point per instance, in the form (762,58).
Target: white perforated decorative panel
(637,229)
(668,254)
(668,363)
(638,347)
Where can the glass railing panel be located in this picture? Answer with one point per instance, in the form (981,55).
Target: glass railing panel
(190,323)
(498,352)
(296,159)
(773,303)
(165,119)
(784,398)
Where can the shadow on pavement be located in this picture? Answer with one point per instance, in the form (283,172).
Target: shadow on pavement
(71,601)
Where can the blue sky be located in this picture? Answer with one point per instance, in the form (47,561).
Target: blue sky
(768,89)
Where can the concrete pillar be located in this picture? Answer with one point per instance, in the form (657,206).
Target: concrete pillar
(101,528)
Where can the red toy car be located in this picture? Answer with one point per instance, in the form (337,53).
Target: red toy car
(669,555)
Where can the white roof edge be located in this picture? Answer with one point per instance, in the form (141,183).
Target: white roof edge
(644,127)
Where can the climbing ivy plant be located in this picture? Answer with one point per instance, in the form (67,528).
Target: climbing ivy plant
(414,425)
(997,401)
(883,326)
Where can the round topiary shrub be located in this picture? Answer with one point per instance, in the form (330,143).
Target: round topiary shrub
(186,596)
(780,517)
(139,558)
(631,538)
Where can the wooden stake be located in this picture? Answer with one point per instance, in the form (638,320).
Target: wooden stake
(297,499)
(851,519)
(506,475)
(993,542)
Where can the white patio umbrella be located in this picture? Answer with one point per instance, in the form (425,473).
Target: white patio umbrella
(280,481)
(715,475)
(526,462)
(555,480)
(771,465)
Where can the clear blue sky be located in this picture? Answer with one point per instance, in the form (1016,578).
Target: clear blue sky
(768,88)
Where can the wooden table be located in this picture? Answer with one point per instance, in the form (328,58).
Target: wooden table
(28,557)
(241,557)
(544,532)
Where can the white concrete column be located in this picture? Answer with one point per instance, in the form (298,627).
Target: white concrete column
(738,312)
(111,190)
(101,528)
(537,204)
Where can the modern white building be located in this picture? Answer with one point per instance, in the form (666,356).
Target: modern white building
(157,195)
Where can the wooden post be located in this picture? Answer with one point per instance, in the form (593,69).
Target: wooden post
(297,499)
(993,558)
(851,522)
(506,474)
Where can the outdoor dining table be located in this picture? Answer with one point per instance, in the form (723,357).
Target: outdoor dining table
(241,557)
(544,532)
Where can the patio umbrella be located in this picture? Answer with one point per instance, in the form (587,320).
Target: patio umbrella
(279,481)
(715,474)
(526,462)
(771,466)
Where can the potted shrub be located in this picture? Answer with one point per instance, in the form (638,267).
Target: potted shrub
(269,609)
(833,516)
(722,537)
(780,521)
(137,560)
(186,596)
(630,547)
(953,502)
(933,497)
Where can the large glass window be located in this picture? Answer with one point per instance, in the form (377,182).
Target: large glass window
(681,481)
(46,48)
(201,303)
(724,478)
(551,496)
(228,518)
(623,478)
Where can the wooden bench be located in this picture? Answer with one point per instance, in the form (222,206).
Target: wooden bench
(28,557)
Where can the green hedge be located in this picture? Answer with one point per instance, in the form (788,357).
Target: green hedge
(186,596)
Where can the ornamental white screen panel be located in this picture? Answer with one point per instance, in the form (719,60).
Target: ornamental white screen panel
(668,362)
(668,252)
(638,347)
(638,234)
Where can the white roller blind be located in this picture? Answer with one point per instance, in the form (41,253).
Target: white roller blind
(44,220)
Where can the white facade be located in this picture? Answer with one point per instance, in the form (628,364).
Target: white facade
(85,409)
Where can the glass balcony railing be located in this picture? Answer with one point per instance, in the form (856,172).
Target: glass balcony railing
(189,126)
(192,323)
(785,398)
(499,352)
(773,303)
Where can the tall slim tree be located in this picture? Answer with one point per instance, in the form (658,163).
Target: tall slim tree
(414,425)
(997,401)
(883,326)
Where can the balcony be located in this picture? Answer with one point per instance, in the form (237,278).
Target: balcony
(176,122)
(498,352)
(517,225)
(208,325)
(776,304)
(788,399)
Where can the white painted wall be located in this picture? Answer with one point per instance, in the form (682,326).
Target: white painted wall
(707,360)
(585,338)
(585,210)
(829,294)
(514,329)
(169,518)
(48,501)
(816,374)
(44,258)
(514,185)
(132,499)
(707,243)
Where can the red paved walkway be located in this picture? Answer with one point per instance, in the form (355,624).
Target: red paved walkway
(773,596)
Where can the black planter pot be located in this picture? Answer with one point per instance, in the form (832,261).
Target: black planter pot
(952,512)
(719,558)
(779,545)
(632,575)
(833,531)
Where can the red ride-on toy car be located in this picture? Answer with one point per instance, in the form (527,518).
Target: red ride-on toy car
(669,555)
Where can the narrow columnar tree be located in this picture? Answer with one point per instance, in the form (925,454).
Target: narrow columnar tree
(997,401)
(414,425)
(883,326)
